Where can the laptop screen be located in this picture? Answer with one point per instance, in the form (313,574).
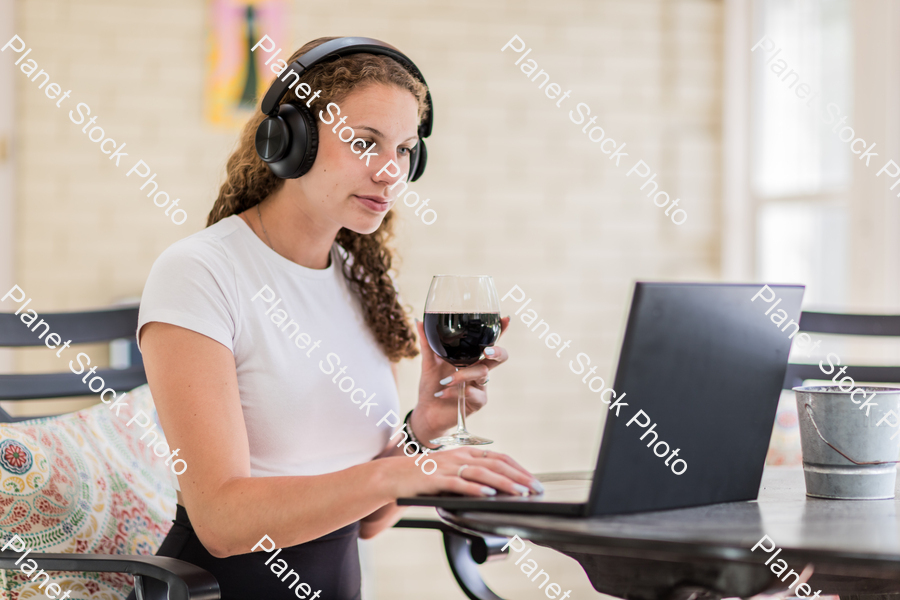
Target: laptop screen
(701,369)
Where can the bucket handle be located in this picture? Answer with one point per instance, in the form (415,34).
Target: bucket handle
(830,445)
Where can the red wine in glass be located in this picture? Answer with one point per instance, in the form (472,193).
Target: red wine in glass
(462,318)
(460,338)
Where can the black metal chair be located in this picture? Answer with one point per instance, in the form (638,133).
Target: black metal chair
(156,576)
(846,324)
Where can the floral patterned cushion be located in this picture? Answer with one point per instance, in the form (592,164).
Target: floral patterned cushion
(83,483)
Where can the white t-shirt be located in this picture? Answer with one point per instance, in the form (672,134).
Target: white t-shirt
(299,422)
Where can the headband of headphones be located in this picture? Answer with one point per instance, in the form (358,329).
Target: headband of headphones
(342,47)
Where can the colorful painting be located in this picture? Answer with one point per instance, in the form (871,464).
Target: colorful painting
(237,77)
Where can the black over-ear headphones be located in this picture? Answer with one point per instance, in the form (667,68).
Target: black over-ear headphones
(288,139)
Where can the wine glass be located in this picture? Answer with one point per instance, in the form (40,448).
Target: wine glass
(462,318)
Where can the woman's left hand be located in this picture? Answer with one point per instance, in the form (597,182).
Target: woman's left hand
(435,412)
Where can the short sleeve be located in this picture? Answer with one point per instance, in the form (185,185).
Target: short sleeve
(192,285)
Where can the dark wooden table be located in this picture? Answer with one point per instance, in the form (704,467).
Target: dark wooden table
(704,552)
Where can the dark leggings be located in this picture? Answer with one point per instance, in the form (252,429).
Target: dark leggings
(329,563)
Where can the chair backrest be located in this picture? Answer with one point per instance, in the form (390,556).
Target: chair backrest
(846,324)
(81,328)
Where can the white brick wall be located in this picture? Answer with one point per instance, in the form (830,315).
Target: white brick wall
(520,192)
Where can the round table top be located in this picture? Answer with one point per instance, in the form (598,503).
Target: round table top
(844,539)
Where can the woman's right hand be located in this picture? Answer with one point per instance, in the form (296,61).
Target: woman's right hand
(487,474)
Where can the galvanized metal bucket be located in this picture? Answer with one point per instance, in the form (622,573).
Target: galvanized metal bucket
(846,455)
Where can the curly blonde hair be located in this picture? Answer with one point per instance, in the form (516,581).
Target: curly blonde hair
(249,181)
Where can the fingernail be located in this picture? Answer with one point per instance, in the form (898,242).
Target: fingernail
(521,489)
(489,351)
(536,486)
(488,491)
(439,393)
(446,380)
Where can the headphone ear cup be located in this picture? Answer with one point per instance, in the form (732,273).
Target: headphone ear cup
(302,144)
(417,160)
(272,139)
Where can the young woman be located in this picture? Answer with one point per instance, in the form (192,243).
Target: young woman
(274,446)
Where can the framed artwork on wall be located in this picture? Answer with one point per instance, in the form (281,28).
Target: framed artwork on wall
(237,76)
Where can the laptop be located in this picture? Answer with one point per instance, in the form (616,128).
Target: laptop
(705,364)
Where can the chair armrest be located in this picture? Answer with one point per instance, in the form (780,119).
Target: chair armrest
(465,551)
(183,581)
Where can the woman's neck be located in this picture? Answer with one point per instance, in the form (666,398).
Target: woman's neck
(283,225)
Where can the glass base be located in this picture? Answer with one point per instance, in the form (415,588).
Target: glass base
(461,439)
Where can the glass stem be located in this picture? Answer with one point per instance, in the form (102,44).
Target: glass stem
(461,409)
